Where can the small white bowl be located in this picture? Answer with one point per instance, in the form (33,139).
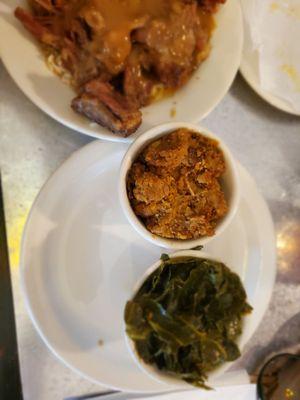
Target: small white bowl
(164,377)
(229,181)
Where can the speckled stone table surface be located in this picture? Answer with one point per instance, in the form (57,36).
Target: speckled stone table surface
(264,140)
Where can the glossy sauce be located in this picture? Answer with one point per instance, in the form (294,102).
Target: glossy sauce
(124,12)
(120,17)
(112,21)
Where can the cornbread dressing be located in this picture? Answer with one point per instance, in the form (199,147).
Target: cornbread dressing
(174,186)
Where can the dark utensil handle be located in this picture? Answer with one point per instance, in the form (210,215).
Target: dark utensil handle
(10,380)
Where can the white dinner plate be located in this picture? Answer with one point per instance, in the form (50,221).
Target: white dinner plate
(24,61)
(250,70)
(81,259)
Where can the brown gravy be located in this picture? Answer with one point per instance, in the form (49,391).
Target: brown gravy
(114,20)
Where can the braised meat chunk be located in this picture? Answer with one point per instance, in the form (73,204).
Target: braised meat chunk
(138,81)
(172,43)
(102,104)
(37,29)
(141,49)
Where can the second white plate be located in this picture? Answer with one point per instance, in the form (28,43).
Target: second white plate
(81,259)
(249,68)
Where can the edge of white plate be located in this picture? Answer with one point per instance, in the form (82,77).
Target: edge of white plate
(252,80)
(266,229)
(266,281)
(25,296)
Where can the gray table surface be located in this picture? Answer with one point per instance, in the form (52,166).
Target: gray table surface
(265,140)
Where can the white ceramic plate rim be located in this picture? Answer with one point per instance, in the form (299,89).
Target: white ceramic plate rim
(249,69)
(251,78)
(264,289)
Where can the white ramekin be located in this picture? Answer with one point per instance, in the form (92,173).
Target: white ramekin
(229,181)
(151,370)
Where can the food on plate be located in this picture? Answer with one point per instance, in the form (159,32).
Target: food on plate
(186,317)
(174,185)
(120,55)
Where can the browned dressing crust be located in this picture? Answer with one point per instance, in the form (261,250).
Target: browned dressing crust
(174,186)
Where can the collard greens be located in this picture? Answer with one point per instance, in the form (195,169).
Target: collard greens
(186,317)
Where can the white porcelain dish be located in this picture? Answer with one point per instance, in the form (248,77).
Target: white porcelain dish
(151,370)
(80,260)
(249,68)
(230,185)
(24,61)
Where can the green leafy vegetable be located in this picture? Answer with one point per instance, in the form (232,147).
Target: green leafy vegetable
(164,257)
(197,248)
(186,317)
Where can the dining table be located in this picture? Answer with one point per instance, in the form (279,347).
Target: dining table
(265,140)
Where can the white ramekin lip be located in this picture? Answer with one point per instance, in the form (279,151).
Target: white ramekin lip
(137,146)
(151,370)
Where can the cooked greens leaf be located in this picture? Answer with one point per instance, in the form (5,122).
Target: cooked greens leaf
(197,248)
(186,317)
(164,257)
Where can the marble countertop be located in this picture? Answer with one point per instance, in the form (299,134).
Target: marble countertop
(265,140)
